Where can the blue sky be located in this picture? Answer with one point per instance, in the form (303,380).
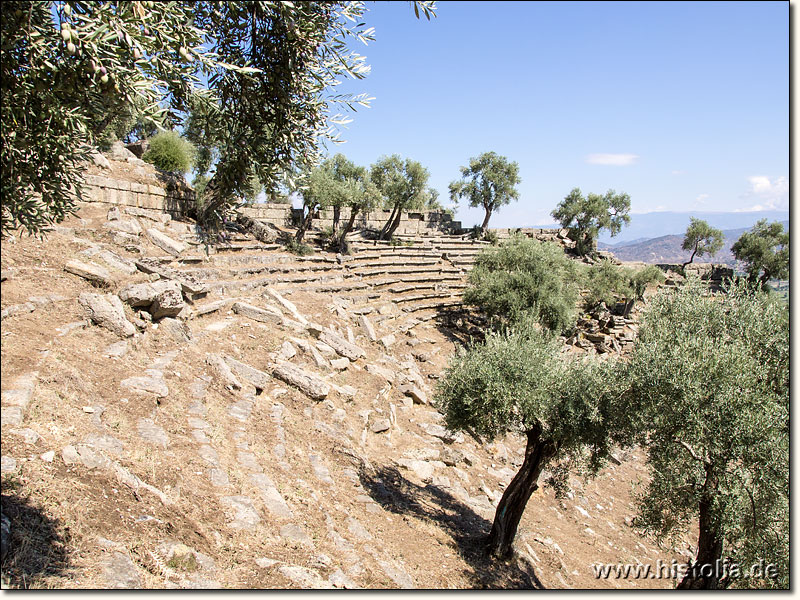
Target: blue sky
(684,106)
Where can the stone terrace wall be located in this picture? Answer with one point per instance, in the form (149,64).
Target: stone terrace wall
(172,197)
(414,222)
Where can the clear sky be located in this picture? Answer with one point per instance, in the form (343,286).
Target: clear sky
(683,105)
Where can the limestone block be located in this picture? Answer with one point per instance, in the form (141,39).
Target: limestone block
(306,382)
(91,272)
(166,243)
(107,311)
(264,315)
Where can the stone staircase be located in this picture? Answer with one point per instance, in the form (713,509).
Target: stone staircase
(416,277)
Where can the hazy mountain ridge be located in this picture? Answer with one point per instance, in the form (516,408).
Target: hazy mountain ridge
(667,248)
(647,226)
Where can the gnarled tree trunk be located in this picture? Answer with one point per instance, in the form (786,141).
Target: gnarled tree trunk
(342,235)
(394,225)
(337,211)
(389,223)
(485,224)
(538,452)
(305,225)
(705,573)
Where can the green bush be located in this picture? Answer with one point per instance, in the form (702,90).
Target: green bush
(607,282)
(298,248)
(643,277)
(491,237)
(170,152)
(524,277)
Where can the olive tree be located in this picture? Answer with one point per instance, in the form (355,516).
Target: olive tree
(68,71)
(701,239)
(520,381)
(338,183)
(606,282)
(360,194)
(708,396)
(765,251)
(586,216)
(489,181)
(525,277)
(266,70)
(403,185)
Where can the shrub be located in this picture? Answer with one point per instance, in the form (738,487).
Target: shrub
(643,277)
(170,152)
(607,282)
(491,237)
(298,248)
(525,277)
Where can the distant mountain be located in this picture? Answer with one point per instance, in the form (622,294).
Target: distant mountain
(658,224)
(667,249)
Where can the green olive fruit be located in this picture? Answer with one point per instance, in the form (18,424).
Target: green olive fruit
(104,79)
(64,25)
(136,54)
(65,35)
(74,35)
(71,48)
(67,9)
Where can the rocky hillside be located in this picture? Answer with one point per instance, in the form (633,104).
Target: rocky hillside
(667,249)
(177,415)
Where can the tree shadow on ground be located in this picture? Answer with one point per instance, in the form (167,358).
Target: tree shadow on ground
(460,325)
(469,531)
(37,547)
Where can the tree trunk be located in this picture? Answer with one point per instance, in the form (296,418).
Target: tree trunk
(348,226)
(691,258)
(337,210)
(705,573)
(388,223)
(488,210)
(509,512)
(305,225)
(395,225)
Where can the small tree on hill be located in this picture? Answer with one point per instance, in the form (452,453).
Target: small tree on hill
(765,251)
(170,152)
(525,277)
(403,184)
(520,382)
(359,194)
(701,239)
(607,282)
(489,181)
(708,395)
(586,217)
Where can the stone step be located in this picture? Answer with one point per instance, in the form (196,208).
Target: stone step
(249,245)
(423,296)
(405,271)
(430,285)
(390,262)
(431,305)
(325,288)
(366,255)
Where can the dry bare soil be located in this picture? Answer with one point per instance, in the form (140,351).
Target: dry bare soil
(262,487)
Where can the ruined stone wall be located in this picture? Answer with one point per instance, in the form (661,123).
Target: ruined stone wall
(170,197)
(411,223)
